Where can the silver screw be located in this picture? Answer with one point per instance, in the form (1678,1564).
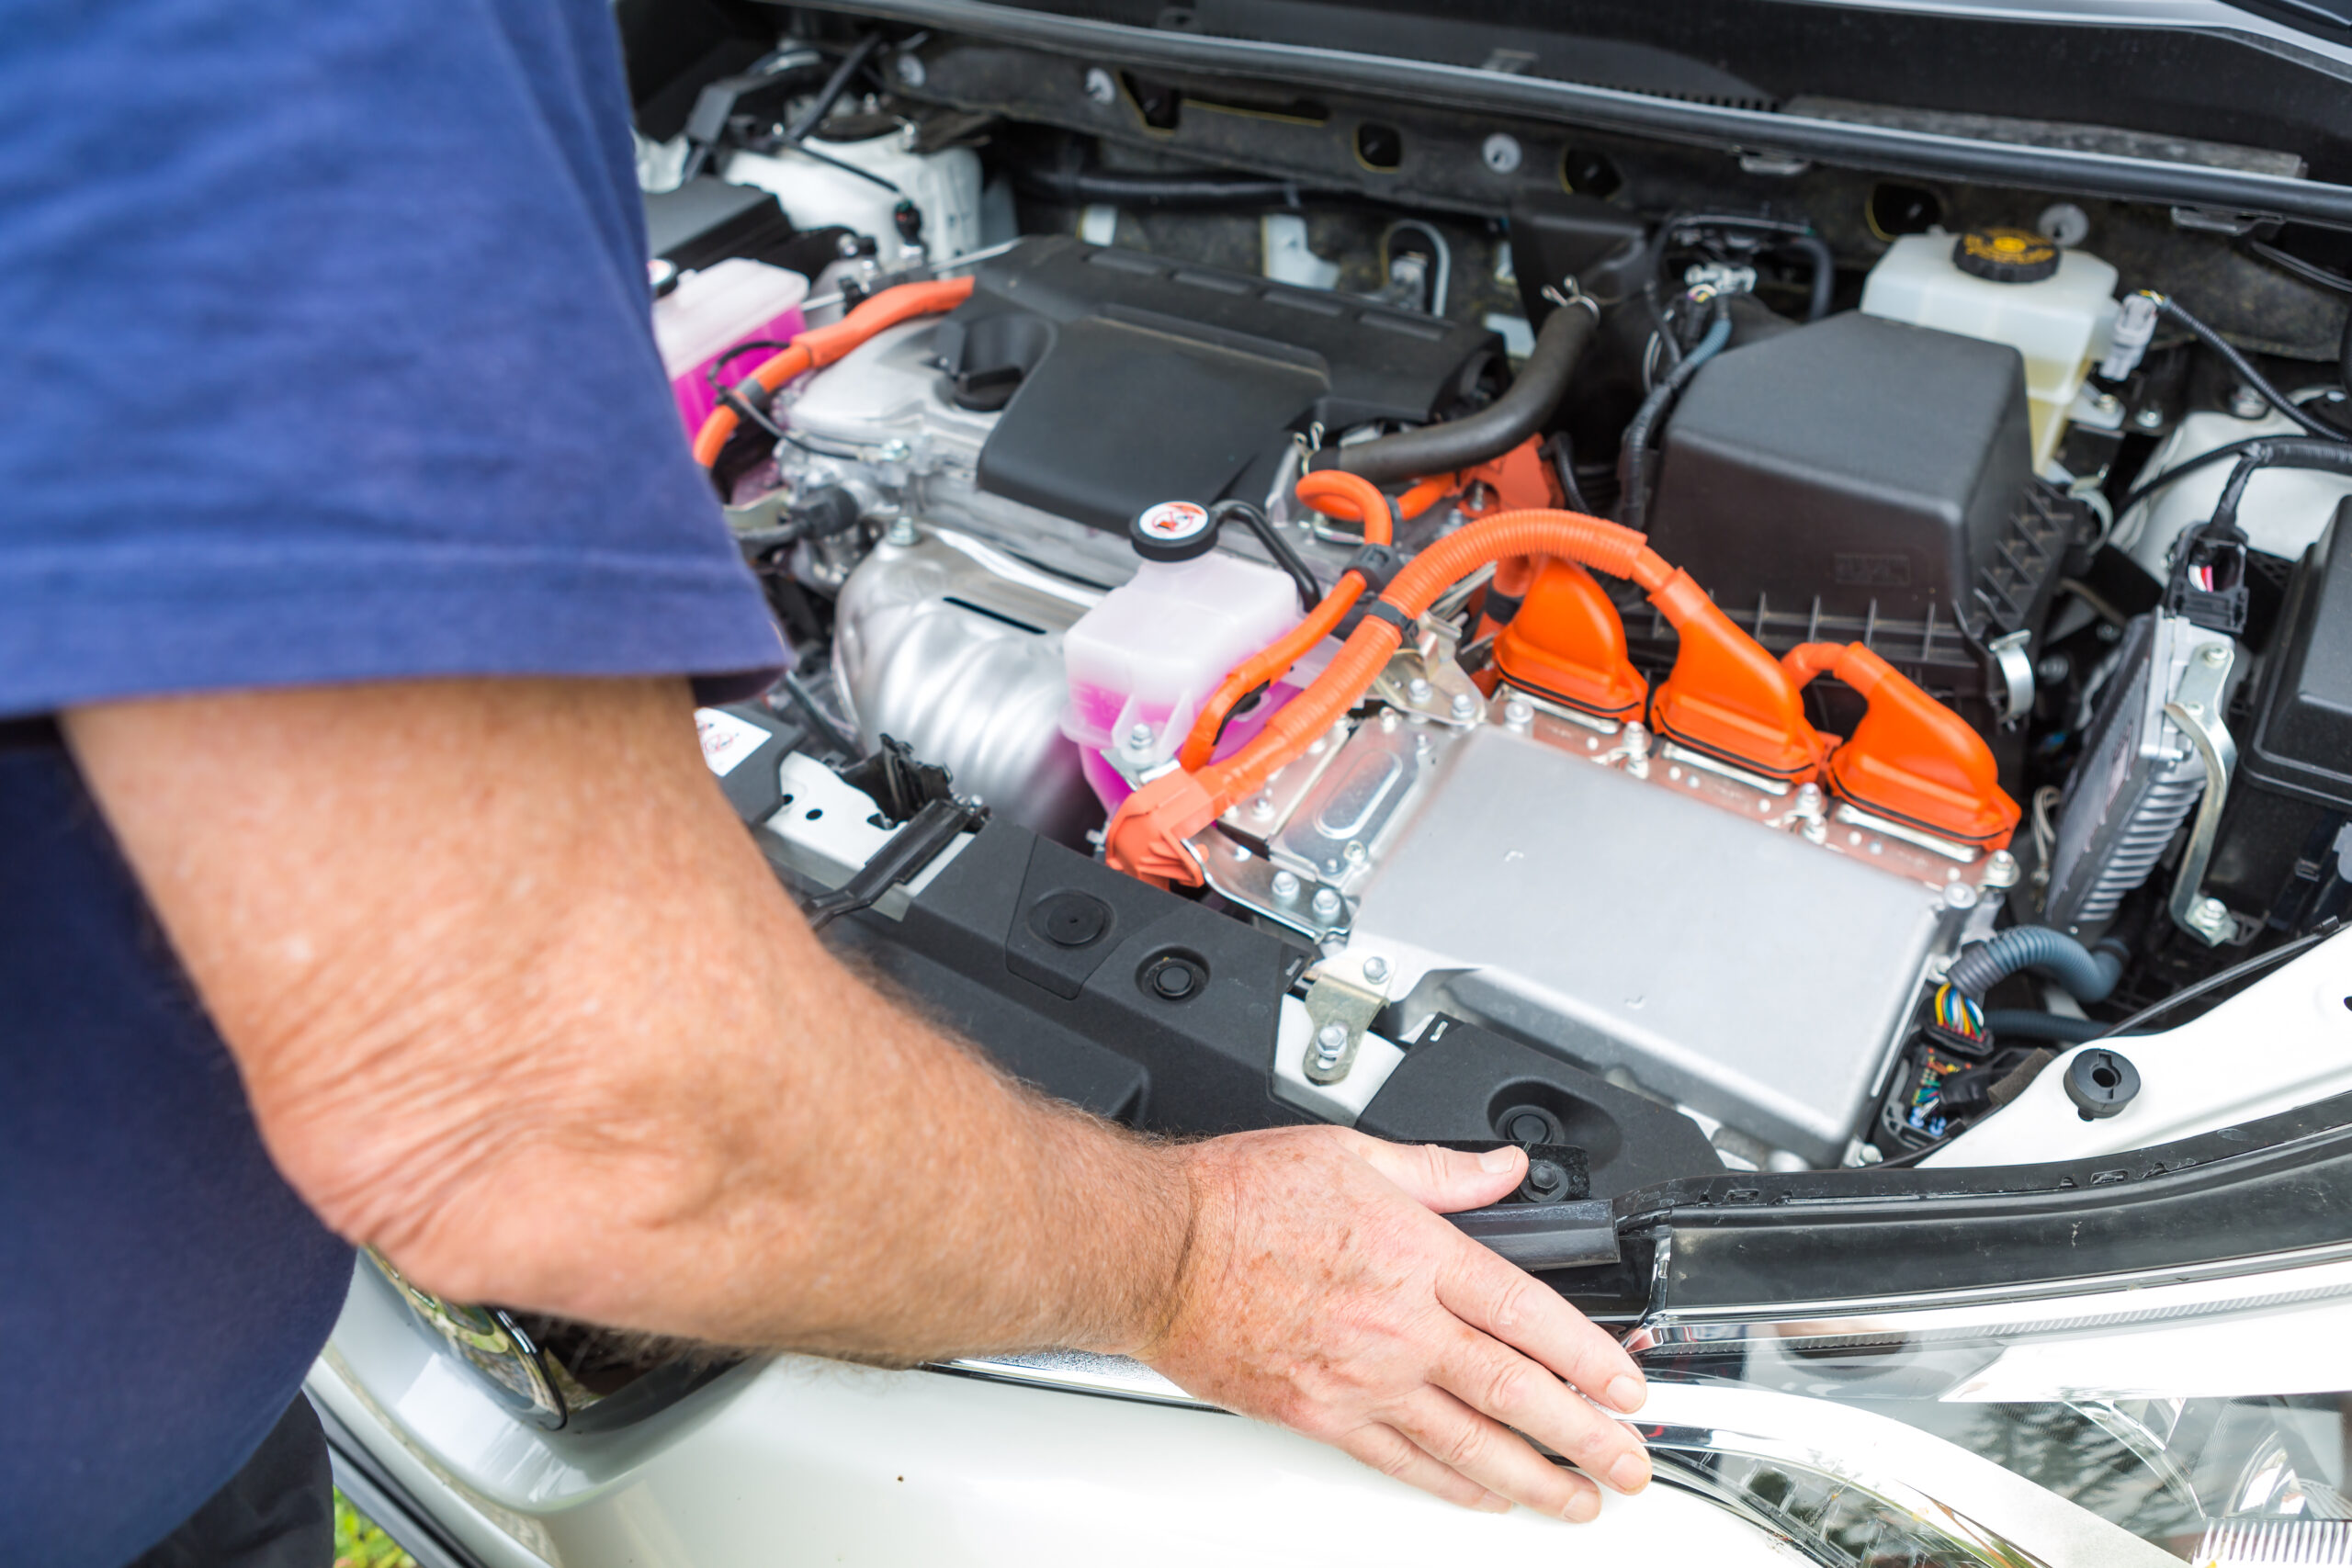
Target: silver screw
(1418,689)
(1099,87)
(901,533)
(1518,714)
(2213,915)
(2248,403)
(2149,418)
(1139,738)
(1326,904)
(2106,402)
(1376,969)
(1959,896)
(1285,886)
(2000,869)
(1330,1045)
(1464,705)
(1356,851)
(2215,654)
(1501,152)
(894,451)
(1261,806)
(909,69)
(1809,800)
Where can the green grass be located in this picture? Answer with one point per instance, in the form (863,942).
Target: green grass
(359,1544)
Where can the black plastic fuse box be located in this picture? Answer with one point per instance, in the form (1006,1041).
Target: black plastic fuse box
(2280,851)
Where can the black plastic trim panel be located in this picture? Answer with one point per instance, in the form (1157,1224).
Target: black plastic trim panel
(2278,1185)
(1884,149)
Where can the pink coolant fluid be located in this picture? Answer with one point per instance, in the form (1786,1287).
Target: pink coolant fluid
(1144,660)
(712,311)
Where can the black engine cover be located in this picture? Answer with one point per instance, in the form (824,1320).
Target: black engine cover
(1128,379)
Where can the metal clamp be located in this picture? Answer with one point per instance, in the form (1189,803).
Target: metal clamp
(2013,664)
(1344,994)
(2196,707)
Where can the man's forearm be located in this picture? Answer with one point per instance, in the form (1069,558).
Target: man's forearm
(517,1000)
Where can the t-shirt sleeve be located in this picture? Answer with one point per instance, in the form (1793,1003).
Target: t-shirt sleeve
(329,358)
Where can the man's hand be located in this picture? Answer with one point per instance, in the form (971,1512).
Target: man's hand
(515,1000)
(1323,1292)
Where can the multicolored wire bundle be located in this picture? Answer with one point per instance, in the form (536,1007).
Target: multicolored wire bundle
(1957,1013)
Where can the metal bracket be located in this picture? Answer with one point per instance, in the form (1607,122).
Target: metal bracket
(2196,708)
(2013,662)
(1344,993)
(1424,677)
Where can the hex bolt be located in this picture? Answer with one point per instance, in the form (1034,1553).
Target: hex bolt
(2150,418)
(1262,804)
(1959,896)
(2248,403)
(1809,800)
(2000,869)
(894,450)
(1518,714)
(1464,705)
(1418,689)
(2215,654)
(1099,86)
(1330,1045)
(1285,886)
(1139,738)
(1326,904)
(901,533)
(909,70)
(1376,969)
(1501,152)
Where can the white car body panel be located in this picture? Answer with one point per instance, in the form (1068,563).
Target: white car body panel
(796,1459)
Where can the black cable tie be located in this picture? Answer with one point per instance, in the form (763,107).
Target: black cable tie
(1382,610)
(1376,564)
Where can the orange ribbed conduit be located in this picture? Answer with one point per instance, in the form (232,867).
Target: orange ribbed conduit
(1334,493)
(820,346)
(1145,837)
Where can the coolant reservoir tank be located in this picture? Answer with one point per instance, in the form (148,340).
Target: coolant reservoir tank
(2054,306)
(1144,660)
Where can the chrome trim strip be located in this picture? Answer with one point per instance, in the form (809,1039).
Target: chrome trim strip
(1078,1371)
(2064,1306)
(1845,143)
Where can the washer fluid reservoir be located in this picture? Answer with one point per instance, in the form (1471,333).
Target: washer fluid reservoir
(2055,306)
(1143,661)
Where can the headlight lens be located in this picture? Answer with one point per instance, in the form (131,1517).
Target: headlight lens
(2197,1420)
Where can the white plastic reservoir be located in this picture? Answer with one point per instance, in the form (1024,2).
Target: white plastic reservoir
(944,185)
(2059,322)
(1144,660)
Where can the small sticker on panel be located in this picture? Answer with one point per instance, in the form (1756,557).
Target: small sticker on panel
(725,739)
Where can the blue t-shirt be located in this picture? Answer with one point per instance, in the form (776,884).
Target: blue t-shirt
(327,359)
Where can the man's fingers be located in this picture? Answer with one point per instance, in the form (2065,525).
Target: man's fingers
(1446,1179)
(1479,1448)
(1497,1381)
(1393,1454)
(1493,1296)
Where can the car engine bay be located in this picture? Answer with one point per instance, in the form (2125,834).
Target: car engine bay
(1686,664)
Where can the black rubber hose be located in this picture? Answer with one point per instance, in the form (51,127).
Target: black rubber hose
(2248,374)
(1310,591)
(2283,453)
(813,113)
(1082,187)
(1494,429)
(1824,272)
(2024,1024)
(1633,508)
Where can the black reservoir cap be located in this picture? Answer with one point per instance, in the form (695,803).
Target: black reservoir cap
(2005,255)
